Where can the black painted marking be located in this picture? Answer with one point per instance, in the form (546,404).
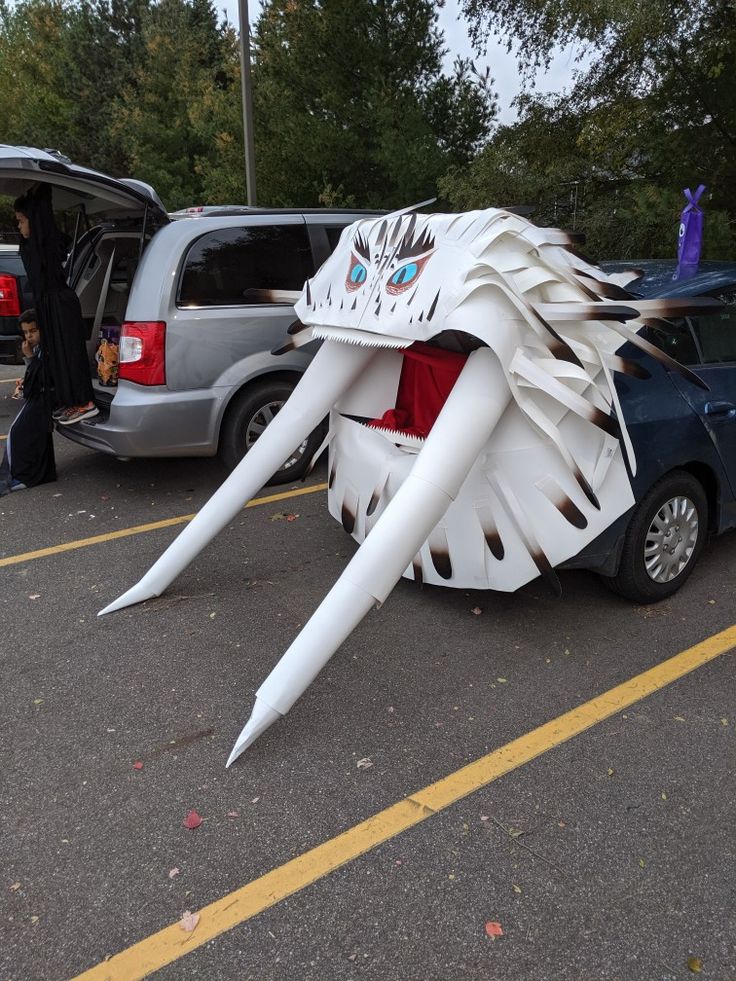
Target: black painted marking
(309,294)
(571,512)
(441,562)
(408,302)
(333,471)
(434,306)
(633,368)
(361,247)
(382,233)
(587,490)
(355,303)
(393,307)
(348,518)
(543,564)
(378,308)
(560,349)
(420,317)
(494,543)
(609,424)
(418,572)
(296,328)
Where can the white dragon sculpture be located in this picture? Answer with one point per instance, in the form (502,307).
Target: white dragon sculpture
(476,438)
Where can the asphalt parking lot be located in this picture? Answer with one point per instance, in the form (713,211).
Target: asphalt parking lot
(478,786)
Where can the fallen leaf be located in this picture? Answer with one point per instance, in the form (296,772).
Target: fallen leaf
(173,872)
(212,616)
(502,681)
(484,817)
(192,821)
(566,652)
(695,964)
(255,800)
(278,516)
(137,765)
(642,863)
(724,722)
(291,517)
(610,771)
(712,602)
(38,701)
(34,596)
(451,876)
(34,919)
(494,930)
(678,718)
(663,795)
(15,887)
(189,921)
(515,832)
(365,763)
(476,611)
(233,814)
(516,888)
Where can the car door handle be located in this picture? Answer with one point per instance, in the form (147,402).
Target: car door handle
(720,408)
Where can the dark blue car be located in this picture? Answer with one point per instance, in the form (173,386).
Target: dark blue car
(684,438)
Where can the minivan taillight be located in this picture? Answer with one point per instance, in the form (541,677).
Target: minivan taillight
(9,299)
(143,352)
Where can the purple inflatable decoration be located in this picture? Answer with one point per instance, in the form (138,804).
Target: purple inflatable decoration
(690,235)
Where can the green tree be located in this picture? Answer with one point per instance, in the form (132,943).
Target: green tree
(351,106)
(176,114)
(654,112)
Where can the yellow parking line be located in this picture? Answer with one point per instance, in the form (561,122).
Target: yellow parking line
(152,526)
(8,381)
(172,942)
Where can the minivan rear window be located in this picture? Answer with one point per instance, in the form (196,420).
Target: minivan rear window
(222,268)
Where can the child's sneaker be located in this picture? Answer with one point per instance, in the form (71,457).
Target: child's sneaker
(77,413)
(17,485)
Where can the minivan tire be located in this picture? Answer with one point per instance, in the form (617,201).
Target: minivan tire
(247,416)
(676,502)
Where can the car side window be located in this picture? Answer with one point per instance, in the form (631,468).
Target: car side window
(716,335)
(230,267)
(333,235)
(673,336)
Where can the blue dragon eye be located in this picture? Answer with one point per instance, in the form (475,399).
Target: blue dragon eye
(404,275)
(358,274)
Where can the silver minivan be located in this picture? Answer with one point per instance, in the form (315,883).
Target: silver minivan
(198,304)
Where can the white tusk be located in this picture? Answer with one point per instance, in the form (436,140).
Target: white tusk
(334,368)
(458,436)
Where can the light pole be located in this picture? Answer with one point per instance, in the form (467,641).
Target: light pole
(249,146)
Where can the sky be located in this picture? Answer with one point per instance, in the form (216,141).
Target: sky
(503,65)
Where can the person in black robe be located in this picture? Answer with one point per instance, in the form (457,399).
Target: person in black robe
(29,451)
(57,307)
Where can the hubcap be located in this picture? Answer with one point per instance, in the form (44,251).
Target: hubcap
(257,425)
(671,538)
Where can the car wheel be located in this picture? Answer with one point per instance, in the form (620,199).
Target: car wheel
(663,541)
(247,418)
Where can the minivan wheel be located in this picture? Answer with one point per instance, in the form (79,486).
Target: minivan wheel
(245,422)
(663,541)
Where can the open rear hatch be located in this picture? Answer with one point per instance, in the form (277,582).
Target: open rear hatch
(110,221)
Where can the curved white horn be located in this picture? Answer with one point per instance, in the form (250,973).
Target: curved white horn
(459,434)
(332,371)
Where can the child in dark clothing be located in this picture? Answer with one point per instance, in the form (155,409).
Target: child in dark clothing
(29,451)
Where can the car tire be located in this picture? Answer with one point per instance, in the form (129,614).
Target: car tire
(247,417)
(672,515)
